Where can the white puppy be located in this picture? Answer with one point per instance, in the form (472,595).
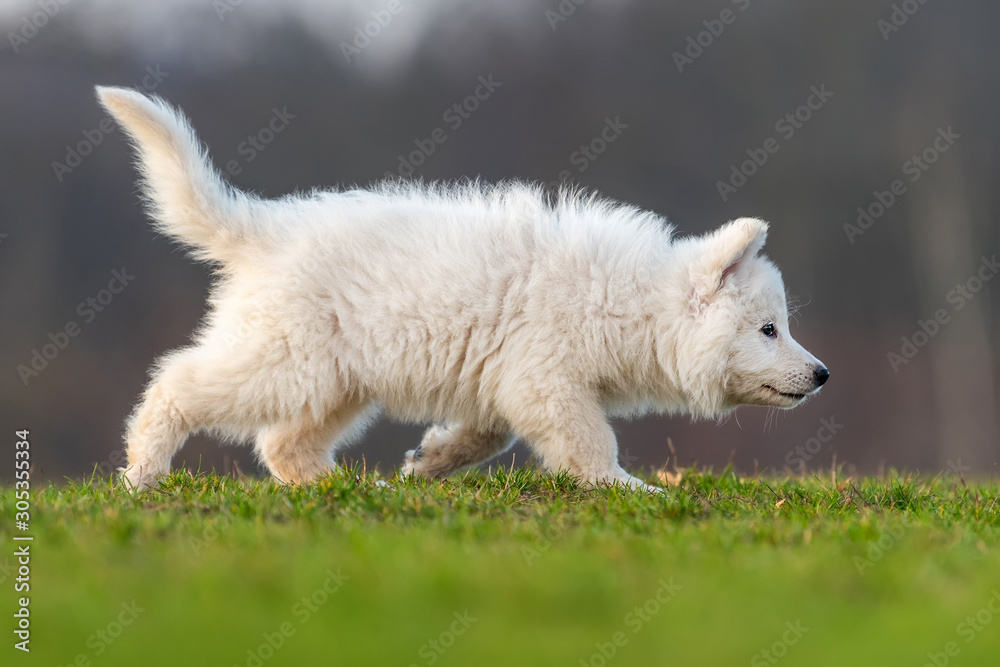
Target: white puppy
(485,309)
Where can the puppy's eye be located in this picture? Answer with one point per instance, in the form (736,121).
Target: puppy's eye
(769,330)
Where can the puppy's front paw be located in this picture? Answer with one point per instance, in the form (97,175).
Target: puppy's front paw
(410,460)
(136,478)
(631,482)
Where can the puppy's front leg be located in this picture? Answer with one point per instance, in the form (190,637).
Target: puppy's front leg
(574,435)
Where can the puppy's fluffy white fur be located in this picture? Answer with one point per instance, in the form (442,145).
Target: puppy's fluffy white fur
(486,310)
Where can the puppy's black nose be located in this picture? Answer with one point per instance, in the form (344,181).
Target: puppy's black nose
(821,375)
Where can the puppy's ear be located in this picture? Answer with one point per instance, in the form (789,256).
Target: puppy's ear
(725,251)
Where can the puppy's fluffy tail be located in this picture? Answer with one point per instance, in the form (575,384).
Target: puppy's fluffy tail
(188,200)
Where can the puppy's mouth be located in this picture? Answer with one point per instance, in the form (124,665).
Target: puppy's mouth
(794,397)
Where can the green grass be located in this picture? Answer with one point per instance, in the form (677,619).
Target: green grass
(548,569)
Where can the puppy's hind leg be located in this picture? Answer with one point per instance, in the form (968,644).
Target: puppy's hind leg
(205,387)
(448,449)
(300,451)
(154,433)
(170,410)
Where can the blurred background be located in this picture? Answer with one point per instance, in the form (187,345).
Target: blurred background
(864,131)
